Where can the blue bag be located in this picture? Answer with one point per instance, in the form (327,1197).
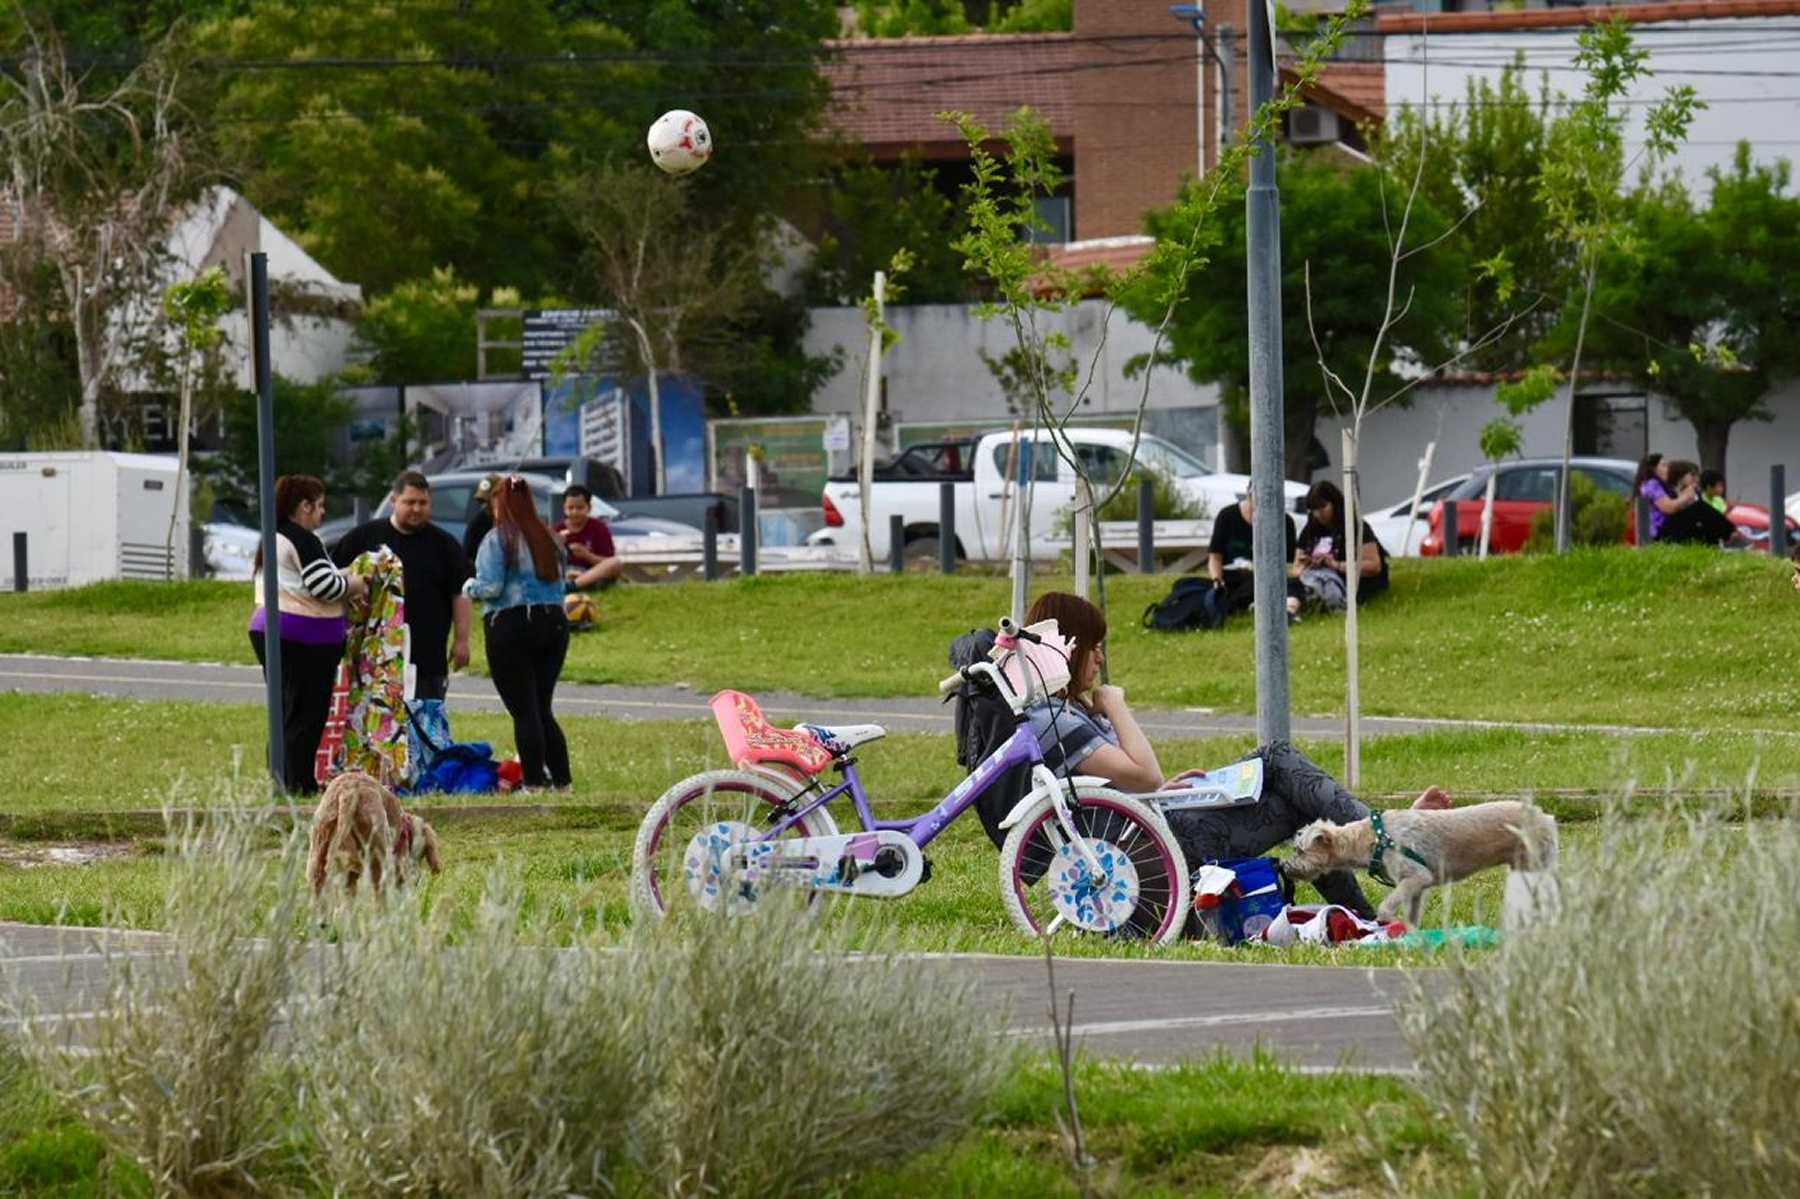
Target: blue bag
(466,768)
(1250,904)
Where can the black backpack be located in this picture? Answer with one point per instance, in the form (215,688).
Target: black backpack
(983,723)
(1192,603)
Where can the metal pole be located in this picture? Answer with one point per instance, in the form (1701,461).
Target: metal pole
(709,544)
(897,543)
(865,467)
(1083,548)
(1268,452)
(746,531)
(21,572)
(1778,538)
(947,528)
(265,486)
(1146,514)
(1449,531)
(1641,508)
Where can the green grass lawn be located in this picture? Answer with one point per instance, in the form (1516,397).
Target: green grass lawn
(574,857)
(1675,638)
(1213,1128)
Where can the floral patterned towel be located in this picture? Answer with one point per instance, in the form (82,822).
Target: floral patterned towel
(373,674)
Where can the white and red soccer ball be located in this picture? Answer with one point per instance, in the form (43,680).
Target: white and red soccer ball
(679,142)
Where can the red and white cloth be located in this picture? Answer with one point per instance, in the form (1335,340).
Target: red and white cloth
(1327,924)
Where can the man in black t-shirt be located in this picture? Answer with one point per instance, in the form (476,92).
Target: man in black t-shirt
(434,568)
(1232,541)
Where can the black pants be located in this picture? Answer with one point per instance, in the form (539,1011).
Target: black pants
(525,650)
(1295,793)
(307,674)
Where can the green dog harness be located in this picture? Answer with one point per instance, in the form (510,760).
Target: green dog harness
(1383,843)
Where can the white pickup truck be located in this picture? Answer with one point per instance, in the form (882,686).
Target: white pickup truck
(983,474)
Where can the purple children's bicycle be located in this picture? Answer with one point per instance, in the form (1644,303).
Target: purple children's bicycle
(1077,854)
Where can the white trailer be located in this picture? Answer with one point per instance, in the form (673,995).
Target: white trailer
(90,516)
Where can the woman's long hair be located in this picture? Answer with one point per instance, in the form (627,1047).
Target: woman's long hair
(516,519)
(1075,619)
(1646,468)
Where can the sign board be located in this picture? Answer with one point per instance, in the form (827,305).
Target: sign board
(550,331)
(837,436)
(793,463)
(606,430)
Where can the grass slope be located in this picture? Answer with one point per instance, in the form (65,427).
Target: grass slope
(1676,638)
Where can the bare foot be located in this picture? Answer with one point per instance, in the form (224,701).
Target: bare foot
(1434,798)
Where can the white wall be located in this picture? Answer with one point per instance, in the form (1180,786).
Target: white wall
(1741,68)
(1395,438)
(934,373)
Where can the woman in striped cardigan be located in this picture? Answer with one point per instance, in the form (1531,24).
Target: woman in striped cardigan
(311,596)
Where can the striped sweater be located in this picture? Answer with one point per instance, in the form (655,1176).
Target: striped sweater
(310,584)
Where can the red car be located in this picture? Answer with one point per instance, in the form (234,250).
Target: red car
(1528,486)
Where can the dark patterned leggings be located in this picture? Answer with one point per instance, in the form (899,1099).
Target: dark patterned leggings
(1295,793)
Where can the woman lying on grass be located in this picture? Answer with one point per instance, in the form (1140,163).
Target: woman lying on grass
(1092,727)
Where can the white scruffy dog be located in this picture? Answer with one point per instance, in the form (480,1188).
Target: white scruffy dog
(1415,850)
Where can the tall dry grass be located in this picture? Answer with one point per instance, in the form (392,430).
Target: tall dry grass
(387,1049)
(173,1076)
(1645,1042)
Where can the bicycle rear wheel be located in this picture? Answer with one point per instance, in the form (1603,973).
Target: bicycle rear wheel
(1143,894)
(729,804)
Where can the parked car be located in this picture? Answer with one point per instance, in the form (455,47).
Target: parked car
(1390,524)
(1525,487)
(982,492)
(453,505)
(1793,506)
(1528,486)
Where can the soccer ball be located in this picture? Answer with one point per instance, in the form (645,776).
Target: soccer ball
(679,142)
(582,611)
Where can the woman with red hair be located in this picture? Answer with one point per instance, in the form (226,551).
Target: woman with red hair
(519,580)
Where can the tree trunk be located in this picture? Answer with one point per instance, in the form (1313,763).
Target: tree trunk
(1564,501)
(1352,552)
(1713,436)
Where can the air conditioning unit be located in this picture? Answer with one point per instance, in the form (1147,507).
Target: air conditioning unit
(1311,125)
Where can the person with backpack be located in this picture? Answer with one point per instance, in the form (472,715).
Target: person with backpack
(519,579)
(1233,542)
(1321,550)
(1088,728)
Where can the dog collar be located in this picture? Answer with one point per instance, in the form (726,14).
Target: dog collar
(1383,843)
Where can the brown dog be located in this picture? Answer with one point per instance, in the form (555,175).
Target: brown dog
(359,821)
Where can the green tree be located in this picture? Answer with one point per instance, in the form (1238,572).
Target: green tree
(422,331)
(877,210)
(1482,160)
(1582,178)
(192,309)
(390,140)
(1705,308)
(307,419)
(1331,218)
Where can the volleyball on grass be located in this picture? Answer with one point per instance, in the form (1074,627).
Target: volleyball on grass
(582,611)
(679,142)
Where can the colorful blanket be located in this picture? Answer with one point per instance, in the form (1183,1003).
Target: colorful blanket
(372,679)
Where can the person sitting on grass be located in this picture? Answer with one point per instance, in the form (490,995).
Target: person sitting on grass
(1088,725)
(1700,521)
(1322,550)
(595,562)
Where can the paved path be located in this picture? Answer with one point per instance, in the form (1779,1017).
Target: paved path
(1156,1013)
(152,680)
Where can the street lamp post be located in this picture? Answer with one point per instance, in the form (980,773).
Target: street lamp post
(1267,437)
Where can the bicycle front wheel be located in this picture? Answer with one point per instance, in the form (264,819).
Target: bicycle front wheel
(668,871)
(1139,893)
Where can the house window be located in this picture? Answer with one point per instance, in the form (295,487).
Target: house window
(1612,425)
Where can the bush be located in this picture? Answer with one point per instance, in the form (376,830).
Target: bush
(1598,518)
(1644,1043)
(440,1053)
(177,1080)
(788,1064)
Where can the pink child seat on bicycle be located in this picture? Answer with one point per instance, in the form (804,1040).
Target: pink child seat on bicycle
(750,738)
